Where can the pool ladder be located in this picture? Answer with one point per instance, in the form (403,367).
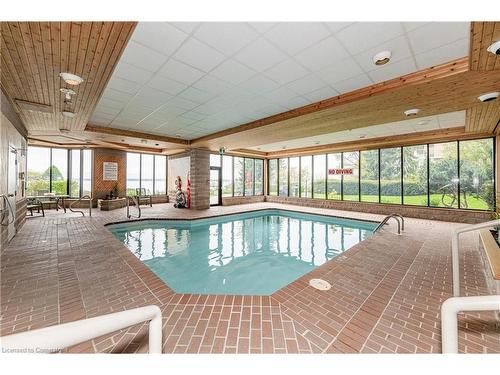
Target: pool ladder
(397,217)
(135,199)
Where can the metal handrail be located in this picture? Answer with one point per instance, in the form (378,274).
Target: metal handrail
(79,200)
(449,320)
(136,203)
(455,265)
(61,336)
(401,225)
(6,199)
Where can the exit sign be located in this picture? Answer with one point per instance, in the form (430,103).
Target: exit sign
(340,171)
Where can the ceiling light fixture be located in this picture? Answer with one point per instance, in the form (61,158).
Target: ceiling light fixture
(68,114)
(488,97)
(362,136)
(382,57)
(144,141)
(423,122)
(411,112)
(68,93)
(178,135)
(71,79)
(64,130)
(494,48)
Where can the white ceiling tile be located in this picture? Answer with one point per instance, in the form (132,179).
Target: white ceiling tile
(260,55)
(123,85)
(352,83)
(361,36)
(196,95)
(262,27)
(110,103)
(259,84)
(409,26)
(233,72)
(455,50)
(321,94)
(212,85)
(226,37)
(187,27)
(337,26)
(340,71)
(398,47)
(296,102)
(181,72)
(305,84)
(392,70)
(280,95)
(116,95)
(293,37)
(167,85)
(142,57)
(183,103)
(436,34)
(159,36)
(199,55)
(286,71)
(322,54)
(194,115)
(131,73)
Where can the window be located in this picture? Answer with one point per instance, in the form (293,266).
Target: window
(350,182)
(390,175)
(38,167)
(160,174)
(227,176)
(259,176)
(249,176)
(369,174)
(145,171)
(306,176)
(294,177)
(273,177)
(443,175)
(334,180)
(476,174)
(215,160)
(59,170)
(415,175)
(283,177)
(239,177)
(319,180)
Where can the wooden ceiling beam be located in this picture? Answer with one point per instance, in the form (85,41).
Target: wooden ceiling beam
(129,133)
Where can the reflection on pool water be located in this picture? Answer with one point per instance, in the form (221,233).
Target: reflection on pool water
(255,253)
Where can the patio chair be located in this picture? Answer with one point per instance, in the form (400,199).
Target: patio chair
(34,204)
(143,196)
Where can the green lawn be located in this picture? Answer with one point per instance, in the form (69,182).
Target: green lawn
(415,200)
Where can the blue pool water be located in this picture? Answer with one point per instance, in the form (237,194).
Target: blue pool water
(254,253)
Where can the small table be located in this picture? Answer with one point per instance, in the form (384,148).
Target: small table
(51,198)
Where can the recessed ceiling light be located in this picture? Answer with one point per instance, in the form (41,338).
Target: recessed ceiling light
(157,144)
(123,140)
(494,48)
(64,130)
(283,148)
(144,141)
(178,135)
(411,112)
(71,79)
(258,148)
(382,57)
(362,136)
(68,114)
(423,122)
(488,97)
(68,93)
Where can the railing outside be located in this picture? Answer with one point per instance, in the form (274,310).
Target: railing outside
(449,320)
(454,250)
(64,335)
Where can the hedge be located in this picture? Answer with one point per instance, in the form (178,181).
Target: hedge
(370,187)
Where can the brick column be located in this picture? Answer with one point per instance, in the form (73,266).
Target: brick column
(200,179)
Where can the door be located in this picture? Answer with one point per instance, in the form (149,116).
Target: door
(215,186)
(11,190)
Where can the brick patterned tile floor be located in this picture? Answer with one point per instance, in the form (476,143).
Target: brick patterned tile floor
(385,296)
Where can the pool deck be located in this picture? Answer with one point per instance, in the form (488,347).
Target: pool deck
(385,296)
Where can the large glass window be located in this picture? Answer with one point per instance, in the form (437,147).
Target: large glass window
(319,180)
(476,174)
(390,175)
(160,174)
(51,170)
(283,177)
(239,176)
(369,174)
(351,180)
(38,167)
(227,176)
(259,176)
(147,173)
(415,175)
(273,177)
(443,175)
(306,176)
(294,176)
(334,179)
(249,176)
(133,173)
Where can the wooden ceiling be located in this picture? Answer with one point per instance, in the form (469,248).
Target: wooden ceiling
(34,53)
(482,35)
